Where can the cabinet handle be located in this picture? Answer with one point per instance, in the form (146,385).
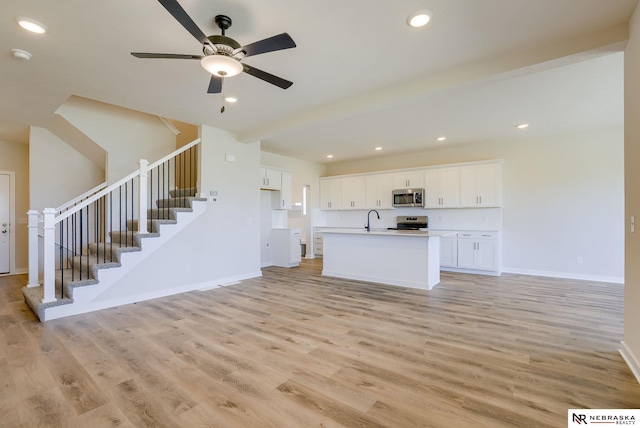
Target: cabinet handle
(480,199)
(283,203)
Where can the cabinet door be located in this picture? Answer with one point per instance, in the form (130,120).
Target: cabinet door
(481,186)
(330,194)
(270,179)
(353,193)
(466,253)
(449,252)
(432,187)
(378,191)
(487,254)
(488,185)
(286,192)
(410,179)
(450,188)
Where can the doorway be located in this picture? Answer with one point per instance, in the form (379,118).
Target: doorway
(6,217)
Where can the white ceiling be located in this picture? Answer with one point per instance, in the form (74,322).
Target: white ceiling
(361,76)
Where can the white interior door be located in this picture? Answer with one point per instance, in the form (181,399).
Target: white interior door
(5,215)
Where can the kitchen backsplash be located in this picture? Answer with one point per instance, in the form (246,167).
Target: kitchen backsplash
(446,219)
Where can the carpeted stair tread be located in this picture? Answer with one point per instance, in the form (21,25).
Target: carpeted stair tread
(182,192)
(106,255)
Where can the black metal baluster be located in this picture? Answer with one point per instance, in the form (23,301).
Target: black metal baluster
(73,245)
(80,244)
(132,215)
(96,210)
(151,194)
(88,238)
(61,246)
(120,216)
(110,226)
(126,212)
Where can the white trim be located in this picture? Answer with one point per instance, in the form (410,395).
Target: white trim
(81,197)
(566,275)
(56,312)
(12,220)
(169,125)
(630,359)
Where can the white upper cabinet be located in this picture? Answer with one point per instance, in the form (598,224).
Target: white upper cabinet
(408,179)
(378,191)
(442,188)
(353,193)
(481,185)
(270,179)
(331,194)
(286,191)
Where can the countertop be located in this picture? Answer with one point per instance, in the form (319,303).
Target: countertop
(386,232)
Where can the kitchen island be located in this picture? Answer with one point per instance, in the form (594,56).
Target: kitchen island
(406,258)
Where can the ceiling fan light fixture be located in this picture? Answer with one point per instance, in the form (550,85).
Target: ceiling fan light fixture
(221,65)
(420,18)
(31,25)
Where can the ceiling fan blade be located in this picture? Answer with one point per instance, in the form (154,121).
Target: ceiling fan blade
(215,85)
(267,77)
(275,43)
(164,56)
(174,8)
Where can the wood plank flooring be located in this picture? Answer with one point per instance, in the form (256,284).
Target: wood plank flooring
(294,349)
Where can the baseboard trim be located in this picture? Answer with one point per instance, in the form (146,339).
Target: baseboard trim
(630,359)
(565,275)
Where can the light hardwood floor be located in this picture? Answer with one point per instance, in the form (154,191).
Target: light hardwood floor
(294,349)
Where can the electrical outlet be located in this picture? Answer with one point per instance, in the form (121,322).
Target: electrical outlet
(188,269)
(579,260)
(268,244)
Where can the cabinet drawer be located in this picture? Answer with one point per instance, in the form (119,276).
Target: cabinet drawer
(478,235)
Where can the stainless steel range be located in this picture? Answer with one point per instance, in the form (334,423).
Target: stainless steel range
(411,222)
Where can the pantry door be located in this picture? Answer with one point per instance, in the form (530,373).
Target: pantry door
(5,229)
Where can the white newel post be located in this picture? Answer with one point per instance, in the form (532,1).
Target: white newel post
(142,202)
(49,255)
(32,226)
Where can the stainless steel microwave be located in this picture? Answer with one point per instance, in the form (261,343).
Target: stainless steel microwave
(408,198)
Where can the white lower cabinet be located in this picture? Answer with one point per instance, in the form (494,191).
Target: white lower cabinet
(317,242)
(478,251)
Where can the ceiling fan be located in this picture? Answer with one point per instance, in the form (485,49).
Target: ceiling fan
(222,54)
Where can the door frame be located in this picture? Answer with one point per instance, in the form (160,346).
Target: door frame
(12,221)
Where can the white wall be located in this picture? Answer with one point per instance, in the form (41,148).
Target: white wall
(15,157)
(304,174)
(562,198)
(57,172)
(631,344)
(223,244)
(126,135)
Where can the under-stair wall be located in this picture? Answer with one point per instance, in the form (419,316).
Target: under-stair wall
(216,244)
(223,244)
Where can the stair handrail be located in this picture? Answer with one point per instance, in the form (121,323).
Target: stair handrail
(120,182)
(85,195)
(53,216)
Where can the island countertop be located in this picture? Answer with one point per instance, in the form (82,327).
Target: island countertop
(389,232)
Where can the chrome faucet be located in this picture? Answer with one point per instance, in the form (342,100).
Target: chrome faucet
(369,221)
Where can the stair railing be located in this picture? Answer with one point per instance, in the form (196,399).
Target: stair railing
(96,225)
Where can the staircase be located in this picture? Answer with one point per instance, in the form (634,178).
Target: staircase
(98,241)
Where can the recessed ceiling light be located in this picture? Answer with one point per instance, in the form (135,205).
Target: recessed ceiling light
(420,18)
(329,156)
(231,99)
(378,149)
(522,125)
(441,138)
(31,24)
